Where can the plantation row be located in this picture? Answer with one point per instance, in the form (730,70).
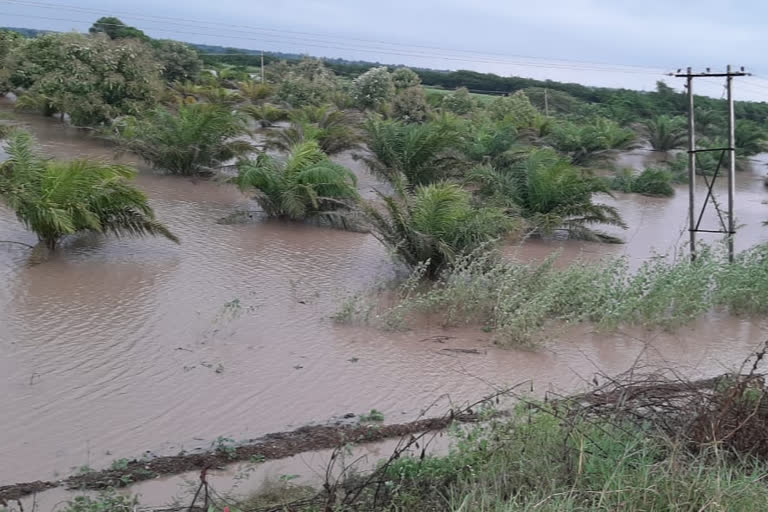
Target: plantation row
(464,170)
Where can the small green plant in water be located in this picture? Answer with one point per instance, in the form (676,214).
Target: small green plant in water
(225,446)
(120,464)
(374,416)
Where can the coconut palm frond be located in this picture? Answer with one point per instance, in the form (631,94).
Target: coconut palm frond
(433,224)
(307,184)
(665,133)
(197,138)
(55,199)
(419,153)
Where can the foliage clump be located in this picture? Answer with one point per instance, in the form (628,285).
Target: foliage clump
(196,138)
(309,82)
(373,88)
(416,154)
(518,299)
(653,181)
(55,199)
(410,105)
(459,101)
(551,194)
(405,78)
(92,79)
(433,225)
(307,184)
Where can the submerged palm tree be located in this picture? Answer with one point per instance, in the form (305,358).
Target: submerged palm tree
(593,143)
(332,129)
(551,194)
(221,96)
(664,133)
(433,224)
(255,91)
(416,154)
(307,184)
(750,138)
(495,144)
(266,115)
(56,199)
(195,139)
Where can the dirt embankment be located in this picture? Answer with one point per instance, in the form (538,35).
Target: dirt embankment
(272,446)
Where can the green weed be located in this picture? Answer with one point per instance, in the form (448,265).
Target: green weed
(373,416)
(517,300)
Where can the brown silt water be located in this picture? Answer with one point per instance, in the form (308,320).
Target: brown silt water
(112,347)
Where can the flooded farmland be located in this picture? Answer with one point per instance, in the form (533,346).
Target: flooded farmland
(114,347)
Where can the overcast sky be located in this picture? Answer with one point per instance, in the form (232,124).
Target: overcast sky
(588,41)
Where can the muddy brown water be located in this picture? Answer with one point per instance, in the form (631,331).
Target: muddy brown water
(118,346)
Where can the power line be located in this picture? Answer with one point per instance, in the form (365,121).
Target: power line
(368,50)
(365,50)
(229,27)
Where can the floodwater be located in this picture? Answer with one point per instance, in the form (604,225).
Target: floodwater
(116,347)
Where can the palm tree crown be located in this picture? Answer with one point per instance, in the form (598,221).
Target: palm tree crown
(433,224)
(551,194)
(417,154)
(196,138)
(332,129)
(55,199)
(664,132)
(306,184)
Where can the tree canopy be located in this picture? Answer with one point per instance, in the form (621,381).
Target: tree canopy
(93,79)
(116,29)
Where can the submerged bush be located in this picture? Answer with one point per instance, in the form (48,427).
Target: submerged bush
(653,181)
(593,143)
(551,194)
(664,133)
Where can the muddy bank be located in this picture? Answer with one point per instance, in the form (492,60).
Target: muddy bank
(270,447)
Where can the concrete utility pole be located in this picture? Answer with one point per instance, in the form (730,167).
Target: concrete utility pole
(262,66)
(546,102)
(694,224)
(691,165)
(731,162)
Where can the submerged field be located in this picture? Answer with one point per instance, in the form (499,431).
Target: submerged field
(114,347)
(354,257)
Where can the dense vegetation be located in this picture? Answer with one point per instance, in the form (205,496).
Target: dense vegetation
(516,299)
(460,173)
(464,170)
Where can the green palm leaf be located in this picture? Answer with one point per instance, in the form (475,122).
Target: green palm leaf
(55,199)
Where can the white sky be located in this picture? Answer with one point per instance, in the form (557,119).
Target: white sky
(597,42)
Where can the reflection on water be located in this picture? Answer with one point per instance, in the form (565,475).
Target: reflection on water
(113,347)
